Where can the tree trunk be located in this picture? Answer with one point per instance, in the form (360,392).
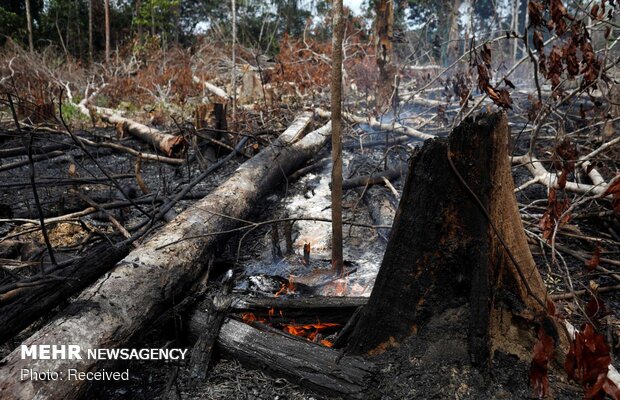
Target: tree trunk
(90,32)
(106,6)
(384,32)
(170,145)
(443,251)
(452,29)
(112,310)
(23,304)
(29,26)
(515,28)
(233,71)
(336,100)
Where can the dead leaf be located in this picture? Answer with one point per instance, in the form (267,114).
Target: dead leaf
(539,368)
(535,13)
(592,263)
(538,40)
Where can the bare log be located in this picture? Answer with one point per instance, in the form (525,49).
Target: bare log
(301,310)
(219,92)
(308,364)
(112,310)
(368,180)
(373,123)
(307,303)
(170,145)
(23,302)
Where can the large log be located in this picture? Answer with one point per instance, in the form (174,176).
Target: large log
(23,302)
(458,241)
(308,364)
(111,311)
(170,145)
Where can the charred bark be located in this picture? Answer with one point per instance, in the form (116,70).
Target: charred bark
(22,303)
(310,365)
(444,250)
(111,311)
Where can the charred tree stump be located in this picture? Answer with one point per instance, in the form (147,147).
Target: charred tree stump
(444,250)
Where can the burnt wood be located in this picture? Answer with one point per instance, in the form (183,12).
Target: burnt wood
(444,252)
(307,364)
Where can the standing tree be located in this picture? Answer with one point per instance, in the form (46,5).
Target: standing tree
(90,32)
(336,93)
(29,26)
(384,32)
(107,30)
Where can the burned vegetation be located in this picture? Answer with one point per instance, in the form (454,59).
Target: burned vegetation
(438,219)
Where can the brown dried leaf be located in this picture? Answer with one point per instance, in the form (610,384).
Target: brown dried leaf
(614,191)
(538,40)
(535,13)
(592,263)
(485,53)
(539,368)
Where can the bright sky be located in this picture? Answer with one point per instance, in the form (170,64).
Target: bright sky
(354,5)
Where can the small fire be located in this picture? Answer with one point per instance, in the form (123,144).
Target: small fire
(308,331)
(287,288)
(250,318)
(271,312)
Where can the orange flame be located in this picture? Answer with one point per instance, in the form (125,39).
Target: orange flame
(287,288)
(308,331)
(249,318)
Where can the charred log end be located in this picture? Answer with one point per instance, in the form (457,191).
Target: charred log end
(444,252)
(175,146)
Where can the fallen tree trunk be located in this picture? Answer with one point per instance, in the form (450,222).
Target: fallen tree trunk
(459,249)
(373,123)
(302,303)
(381,209)
(116,307)
(170,145)
(373,179)
(279,310)
(23,302)
(313,366)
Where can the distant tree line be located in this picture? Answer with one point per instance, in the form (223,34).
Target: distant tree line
(78,26)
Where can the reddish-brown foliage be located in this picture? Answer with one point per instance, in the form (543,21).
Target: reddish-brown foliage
(535,12)
(539,368)
(592,263)
(588,361)
(554,214)
(614,191)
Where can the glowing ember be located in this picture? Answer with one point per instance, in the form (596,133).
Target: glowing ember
(249,318)
(287,288)
(308,331)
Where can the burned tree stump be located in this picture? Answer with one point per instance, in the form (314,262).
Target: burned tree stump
(444,251)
